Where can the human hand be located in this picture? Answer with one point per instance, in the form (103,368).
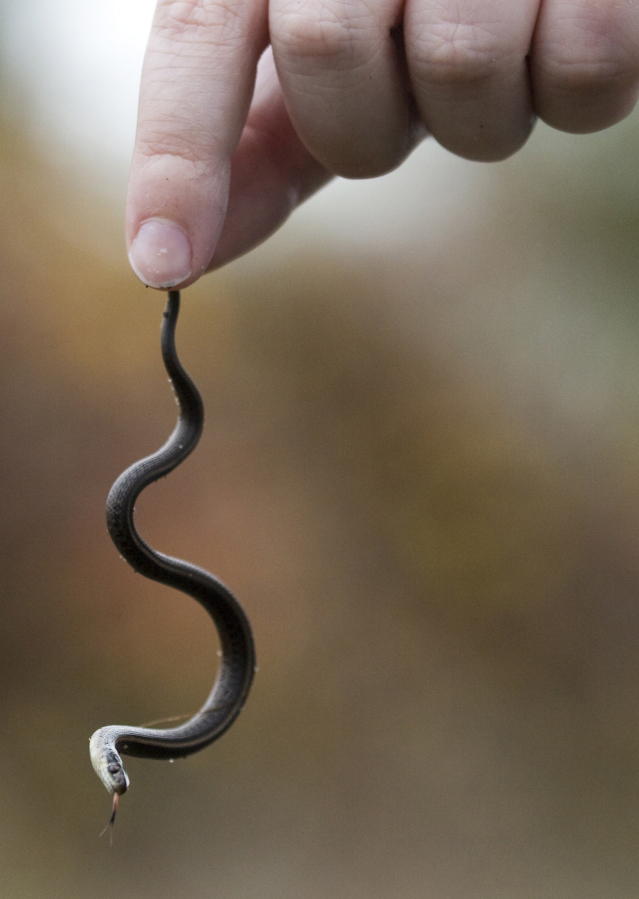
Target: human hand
(347,87)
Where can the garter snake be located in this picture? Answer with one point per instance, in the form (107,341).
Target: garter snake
(237,662)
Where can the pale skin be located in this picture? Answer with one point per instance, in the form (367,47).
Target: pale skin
(226,149)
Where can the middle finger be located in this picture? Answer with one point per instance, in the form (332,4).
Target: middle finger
(341,73)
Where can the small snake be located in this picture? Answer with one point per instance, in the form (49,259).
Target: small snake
(237,664)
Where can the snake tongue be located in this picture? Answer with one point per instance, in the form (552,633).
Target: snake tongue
(116,800)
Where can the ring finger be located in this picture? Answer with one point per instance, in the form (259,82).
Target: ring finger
(469,73)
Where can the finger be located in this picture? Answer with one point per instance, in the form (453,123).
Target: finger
(585,63)
(340,72)
(196,89)
(468,70)
(272,172)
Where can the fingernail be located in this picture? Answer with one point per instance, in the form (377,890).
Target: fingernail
(161,254)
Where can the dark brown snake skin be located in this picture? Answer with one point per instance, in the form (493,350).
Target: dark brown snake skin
(237,664)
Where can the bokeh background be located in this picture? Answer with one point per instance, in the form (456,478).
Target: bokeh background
(420,475)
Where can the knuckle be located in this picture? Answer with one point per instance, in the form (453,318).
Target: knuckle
(196,19)
(165,139)
(454,53)
(591,50)
(318,32)
(603,67)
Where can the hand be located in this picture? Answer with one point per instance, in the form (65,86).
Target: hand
(346,87)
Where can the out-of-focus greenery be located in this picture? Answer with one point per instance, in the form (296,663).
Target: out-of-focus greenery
(419,476)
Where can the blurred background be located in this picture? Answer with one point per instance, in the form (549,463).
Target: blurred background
(420,475)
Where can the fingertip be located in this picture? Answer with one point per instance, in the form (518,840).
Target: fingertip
(161,254)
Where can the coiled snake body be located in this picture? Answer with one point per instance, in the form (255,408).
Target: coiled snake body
(237,663)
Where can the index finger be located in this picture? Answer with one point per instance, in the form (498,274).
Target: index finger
(197,83)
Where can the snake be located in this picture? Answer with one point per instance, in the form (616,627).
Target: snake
(237,652)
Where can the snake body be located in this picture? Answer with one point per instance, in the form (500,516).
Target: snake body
(237,663)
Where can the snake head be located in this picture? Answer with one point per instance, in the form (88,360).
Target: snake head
(107,764)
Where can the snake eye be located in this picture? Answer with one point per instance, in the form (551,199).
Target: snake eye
(113,768)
